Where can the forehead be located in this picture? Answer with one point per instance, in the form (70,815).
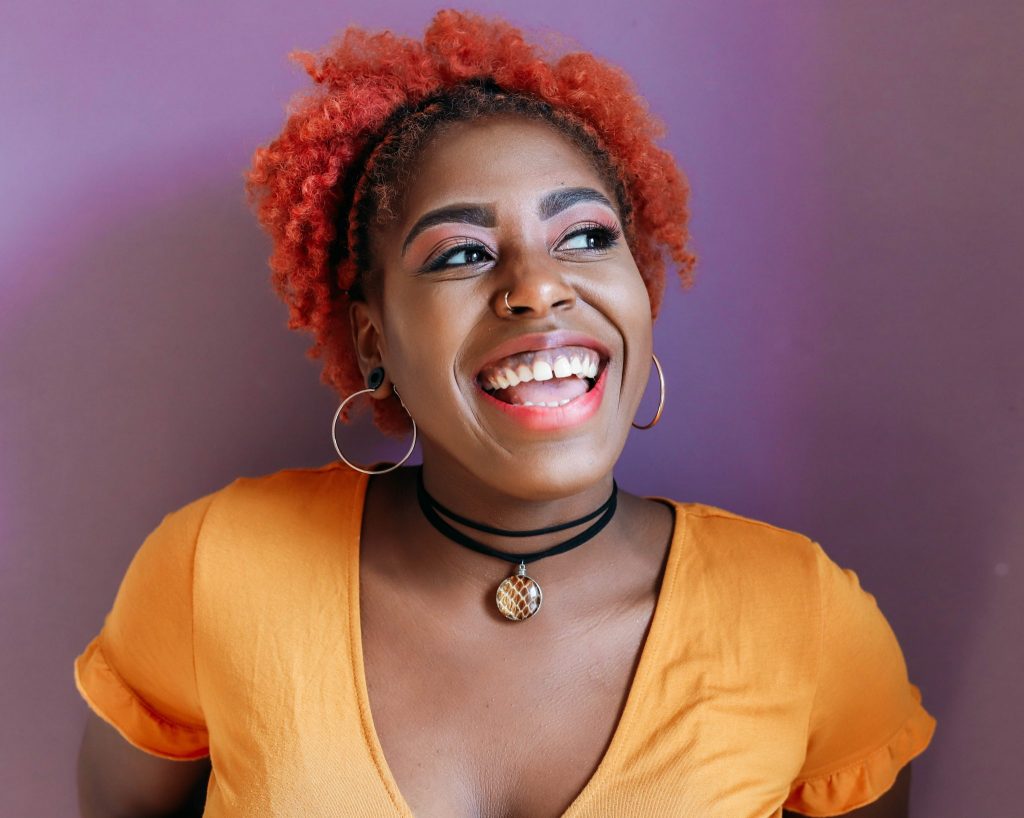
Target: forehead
(498,159)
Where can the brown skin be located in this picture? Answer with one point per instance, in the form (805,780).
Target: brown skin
(432,331)
(466,705)
(117,780)
(447,674)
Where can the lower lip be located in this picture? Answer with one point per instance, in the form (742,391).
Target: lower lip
(544,418)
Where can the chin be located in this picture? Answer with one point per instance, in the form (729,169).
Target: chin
(550,470)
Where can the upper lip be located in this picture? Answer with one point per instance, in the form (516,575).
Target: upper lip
(534,341)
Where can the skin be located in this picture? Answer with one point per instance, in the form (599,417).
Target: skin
(425,597)
(466,705)
(118,780)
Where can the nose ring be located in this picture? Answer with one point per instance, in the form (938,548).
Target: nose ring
(507,305)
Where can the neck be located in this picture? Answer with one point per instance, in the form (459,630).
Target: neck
(512,507)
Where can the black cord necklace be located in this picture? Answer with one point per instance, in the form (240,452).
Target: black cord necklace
(519,596)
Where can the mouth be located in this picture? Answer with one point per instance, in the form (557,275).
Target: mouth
(548,378)
(546,381)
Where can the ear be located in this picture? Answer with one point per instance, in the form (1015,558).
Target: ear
(368,342)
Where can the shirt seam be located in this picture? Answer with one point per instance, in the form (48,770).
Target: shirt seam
(673,564)
(370,739)
(330,466)
(192,598)
(141,702)
(821,650)
(862,760)
(704,510)
(626,727)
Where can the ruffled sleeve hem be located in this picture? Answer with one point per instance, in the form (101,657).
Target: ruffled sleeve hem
(117,704)
(862,782)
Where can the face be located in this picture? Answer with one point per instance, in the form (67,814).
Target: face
(510,206)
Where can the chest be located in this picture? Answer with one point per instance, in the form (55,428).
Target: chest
(350,695)
(492,718)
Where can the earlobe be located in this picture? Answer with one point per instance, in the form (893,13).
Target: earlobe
(366,341)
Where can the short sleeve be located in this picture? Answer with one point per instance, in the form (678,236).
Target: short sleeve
(867,720)
(138,673)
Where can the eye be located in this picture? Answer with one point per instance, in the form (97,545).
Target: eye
(464,254)
(590,237)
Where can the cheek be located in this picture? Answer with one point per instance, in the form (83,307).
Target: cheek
(622,287)
(425,333)
(632,313)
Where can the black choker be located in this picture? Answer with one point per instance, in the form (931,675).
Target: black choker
(519,596)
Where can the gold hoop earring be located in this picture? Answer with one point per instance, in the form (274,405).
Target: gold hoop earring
(334,424)
(661,401)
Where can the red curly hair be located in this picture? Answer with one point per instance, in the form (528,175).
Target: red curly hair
(332,169)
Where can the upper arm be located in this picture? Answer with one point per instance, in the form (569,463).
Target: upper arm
(866,721)
(116,779)
(145,742)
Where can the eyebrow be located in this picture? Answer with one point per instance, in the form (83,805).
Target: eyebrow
(460,213)
(558,200)
(551,205)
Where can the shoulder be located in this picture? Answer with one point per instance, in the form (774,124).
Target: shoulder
(714,518)
(294,480)
(270,542)
(286,492)
(279,511)
(728,542)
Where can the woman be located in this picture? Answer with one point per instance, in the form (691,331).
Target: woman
(476,238)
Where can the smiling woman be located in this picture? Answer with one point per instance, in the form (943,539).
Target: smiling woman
(477,238)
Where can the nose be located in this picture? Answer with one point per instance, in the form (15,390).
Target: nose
(534,289)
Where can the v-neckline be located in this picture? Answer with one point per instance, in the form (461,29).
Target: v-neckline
(648,656)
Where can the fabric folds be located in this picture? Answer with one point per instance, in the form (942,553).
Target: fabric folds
(768,675)
(862,782)
(117,704)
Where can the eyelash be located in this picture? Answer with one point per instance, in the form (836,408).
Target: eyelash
(608,234)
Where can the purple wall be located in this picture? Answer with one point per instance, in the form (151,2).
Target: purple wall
(849,364)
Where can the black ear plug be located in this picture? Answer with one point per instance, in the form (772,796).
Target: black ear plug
(376,377)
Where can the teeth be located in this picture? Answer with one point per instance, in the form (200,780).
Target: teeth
(562,368)
(580,365)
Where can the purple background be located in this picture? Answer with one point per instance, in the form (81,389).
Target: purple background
(848,365)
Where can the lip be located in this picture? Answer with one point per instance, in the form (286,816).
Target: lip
(534,341)
(546,418)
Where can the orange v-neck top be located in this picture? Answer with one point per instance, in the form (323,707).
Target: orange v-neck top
(768,678)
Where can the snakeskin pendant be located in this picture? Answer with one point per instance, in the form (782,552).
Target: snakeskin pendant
(519,596)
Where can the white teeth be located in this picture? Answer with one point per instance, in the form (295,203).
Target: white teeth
(581,365)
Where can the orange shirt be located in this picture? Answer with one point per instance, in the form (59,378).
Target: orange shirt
(769,678)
